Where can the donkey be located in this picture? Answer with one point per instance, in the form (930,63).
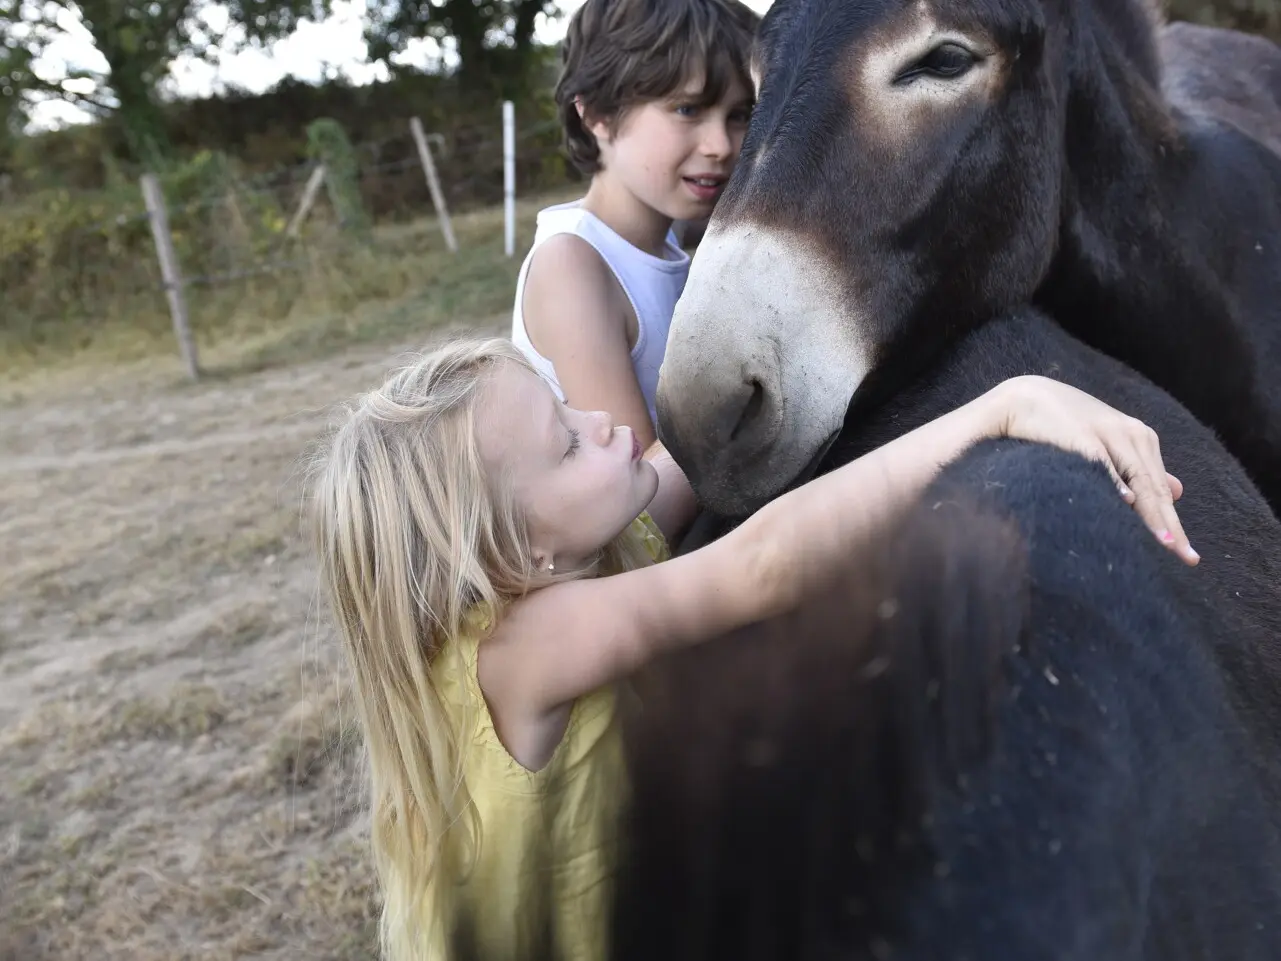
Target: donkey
(915,167)
(915,201)
(1001,732)
(1232,76)
(1012,726)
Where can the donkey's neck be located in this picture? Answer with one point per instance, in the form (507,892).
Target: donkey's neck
(1139,268)
(1118,134)
(1118,124)
(1121,32)
(1122,267)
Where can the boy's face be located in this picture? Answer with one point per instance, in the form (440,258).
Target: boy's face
(674,155)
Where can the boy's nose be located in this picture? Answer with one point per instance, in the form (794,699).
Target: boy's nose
(716,141)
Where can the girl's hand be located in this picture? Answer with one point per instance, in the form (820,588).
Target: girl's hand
(1040,409)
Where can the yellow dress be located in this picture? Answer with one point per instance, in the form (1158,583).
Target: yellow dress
(513,870)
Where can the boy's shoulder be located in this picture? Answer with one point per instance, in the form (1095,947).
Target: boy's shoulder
(567,246)
(561,220)
(562,259)
(566,262)
(569,211)
(562,240)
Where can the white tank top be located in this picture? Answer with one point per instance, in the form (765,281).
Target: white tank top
(652,285)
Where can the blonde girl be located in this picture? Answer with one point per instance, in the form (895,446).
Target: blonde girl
(490,556)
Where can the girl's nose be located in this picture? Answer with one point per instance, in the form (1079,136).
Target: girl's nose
(605,426)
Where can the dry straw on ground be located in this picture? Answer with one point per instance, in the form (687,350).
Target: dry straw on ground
(178,767)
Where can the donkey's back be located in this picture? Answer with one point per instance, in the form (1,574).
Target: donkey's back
(1225,75)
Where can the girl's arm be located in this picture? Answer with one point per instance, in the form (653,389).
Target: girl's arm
(571,638)
(576,316)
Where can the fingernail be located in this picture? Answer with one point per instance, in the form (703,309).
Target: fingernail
(1166,537)
(1192,553)
(1126,492)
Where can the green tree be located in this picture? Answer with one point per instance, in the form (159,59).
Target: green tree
(494,39)
(15,79)
(137,41)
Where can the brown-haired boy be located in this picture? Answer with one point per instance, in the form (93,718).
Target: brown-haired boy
(655,99)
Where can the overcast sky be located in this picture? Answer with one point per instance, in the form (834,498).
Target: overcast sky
(334,45)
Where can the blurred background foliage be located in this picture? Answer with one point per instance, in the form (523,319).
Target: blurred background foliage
(74,239)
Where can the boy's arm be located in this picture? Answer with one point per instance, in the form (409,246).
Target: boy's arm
(674,505)
(574,318)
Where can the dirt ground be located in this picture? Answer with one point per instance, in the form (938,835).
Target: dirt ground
(178,773)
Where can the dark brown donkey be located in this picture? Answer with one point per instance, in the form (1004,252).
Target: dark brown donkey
(1013,728)
(922,186)
(915,167)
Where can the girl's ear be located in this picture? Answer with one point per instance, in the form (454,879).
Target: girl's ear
(542,560)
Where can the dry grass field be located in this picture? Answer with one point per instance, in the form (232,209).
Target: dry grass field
(178,771)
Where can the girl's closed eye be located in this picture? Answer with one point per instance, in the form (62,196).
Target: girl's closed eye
(573,442)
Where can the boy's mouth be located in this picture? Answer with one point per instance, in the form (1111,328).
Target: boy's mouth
(705,188)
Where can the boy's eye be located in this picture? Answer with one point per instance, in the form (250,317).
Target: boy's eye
(687,109)
(573,442)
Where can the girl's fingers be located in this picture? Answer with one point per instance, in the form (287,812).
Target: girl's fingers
(1139,463)
(1150,447)
(1151,502)
(1122,488)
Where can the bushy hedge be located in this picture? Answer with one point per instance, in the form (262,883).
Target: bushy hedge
(73,257)
(70,255)
(75,245)
(266,132)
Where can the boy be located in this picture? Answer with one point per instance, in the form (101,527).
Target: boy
(655,98)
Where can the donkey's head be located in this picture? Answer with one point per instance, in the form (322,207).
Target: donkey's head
(899,183)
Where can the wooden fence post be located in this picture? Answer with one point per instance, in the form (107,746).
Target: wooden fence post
(433,184)
(308,198)
(509,178)
(159,218)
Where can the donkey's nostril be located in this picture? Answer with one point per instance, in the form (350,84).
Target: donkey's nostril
(751,411)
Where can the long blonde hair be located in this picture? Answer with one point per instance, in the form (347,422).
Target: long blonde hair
(412,535)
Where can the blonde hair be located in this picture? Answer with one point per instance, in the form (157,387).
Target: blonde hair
(411,536)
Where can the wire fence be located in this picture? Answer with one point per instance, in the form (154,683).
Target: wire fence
(87,259)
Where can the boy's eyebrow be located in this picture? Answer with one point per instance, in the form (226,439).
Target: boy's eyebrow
(687,92)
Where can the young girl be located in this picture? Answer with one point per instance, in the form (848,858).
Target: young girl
(654,99)
(465,520)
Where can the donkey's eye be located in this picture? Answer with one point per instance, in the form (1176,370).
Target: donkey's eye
(946,61)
